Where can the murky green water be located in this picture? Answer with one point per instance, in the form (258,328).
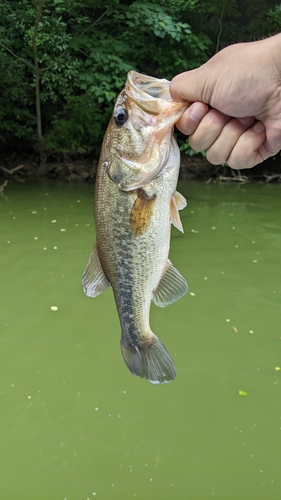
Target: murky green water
(74,423)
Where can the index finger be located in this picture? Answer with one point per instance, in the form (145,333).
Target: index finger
(191,118)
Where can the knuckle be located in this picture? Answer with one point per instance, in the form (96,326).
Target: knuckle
(194,144)
(214,158)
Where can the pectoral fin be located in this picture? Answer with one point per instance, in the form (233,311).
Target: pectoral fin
(178,202)
(141,212)
(172,287)
(94,281)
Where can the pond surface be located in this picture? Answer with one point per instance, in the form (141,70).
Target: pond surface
(74,423)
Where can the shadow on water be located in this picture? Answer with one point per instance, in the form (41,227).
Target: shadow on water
(75,424)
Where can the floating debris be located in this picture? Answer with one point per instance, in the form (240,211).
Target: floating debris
(235,329)
(53,221)
(242,393)
(277,368)
(54,308)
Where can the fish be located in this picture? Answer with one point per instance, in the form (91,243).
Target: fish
(135,203)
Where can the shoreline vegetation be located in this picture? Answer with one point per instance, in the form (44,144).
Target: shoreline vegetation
(22,167)
(64,63)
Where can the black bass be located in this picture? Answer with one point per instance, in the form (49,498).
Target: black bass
(135,203)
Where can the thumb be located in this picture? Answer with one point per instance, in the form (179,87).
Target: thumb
(188,85)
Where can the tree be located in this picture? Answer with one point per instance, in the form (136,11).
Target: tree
(63,62)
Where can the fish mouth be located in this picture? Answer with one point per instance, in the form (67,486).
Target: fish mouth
(145,86)
(151,94)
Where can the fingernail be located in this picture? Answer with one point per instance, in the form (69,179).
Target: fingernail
(197,112)
(259,127)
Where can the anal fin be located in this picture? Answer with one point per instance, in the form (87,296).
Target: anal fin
(94,281)
(172,287)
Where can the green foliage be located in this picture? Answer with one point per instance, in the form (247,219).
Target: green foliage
(86,48)
(79,126)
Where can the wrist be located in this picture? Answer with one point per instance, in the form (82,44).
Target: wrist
(274,53)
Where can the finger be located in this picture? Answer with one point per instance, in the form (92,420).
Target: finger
(272,143)
(191,118)
(247,150)
(208,130)
(220,150)
(188,85)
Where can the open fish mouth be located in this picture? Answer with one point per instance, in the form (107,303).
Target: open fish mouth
(148,86)
(151,94)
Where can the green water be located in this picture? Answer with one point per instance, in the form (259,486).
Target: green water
(74,423)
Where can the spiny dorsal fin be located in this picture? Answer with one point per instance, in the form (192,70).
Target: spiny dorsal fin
(178,202)
(172,287)
(141,212)
(94,281)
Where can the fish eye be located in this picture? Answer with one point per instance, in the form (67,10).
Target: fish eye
(120,116)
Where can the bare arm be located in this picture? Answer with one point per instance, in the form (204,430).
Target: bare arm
(236,110)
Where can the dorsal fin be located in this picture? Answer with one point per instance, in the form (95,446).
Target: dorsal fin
(94,281)
(172,287)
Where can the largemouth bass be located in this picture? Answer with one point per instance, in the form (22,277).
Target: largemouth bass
(135,203)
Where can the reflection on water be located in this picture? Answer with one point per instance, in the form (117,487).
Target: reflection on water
(74,423)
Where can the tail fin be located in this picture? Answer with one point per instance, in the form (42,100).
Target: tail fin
(149,360)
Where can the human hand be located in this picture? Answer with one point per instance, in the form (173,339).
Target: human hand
(235,113)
